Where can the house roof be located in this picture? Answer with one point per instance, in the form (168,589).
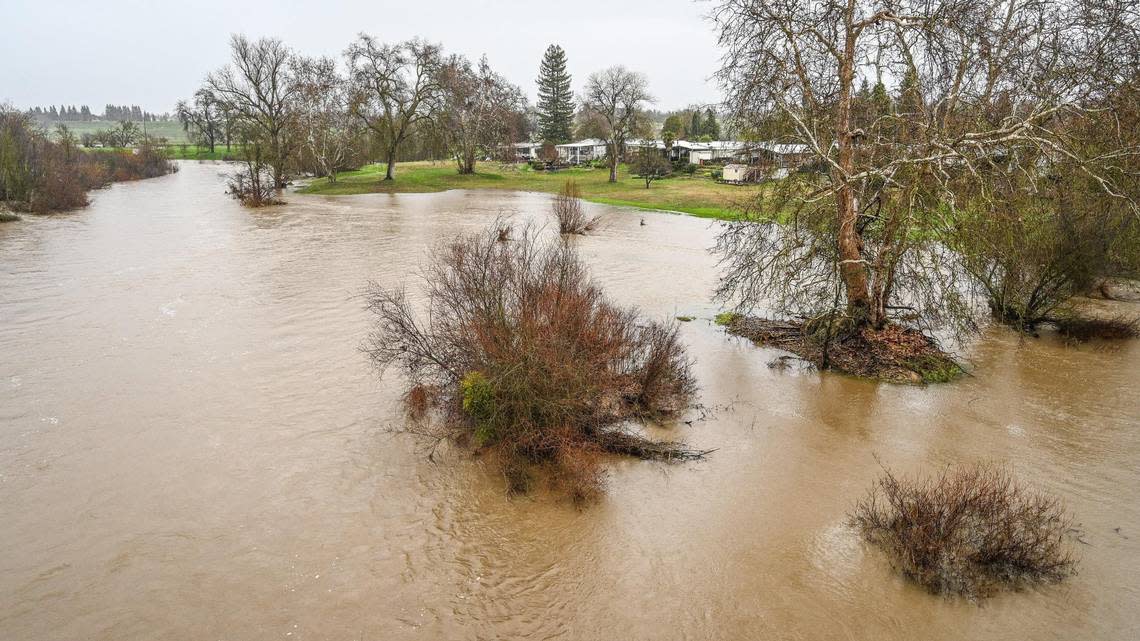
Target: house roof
(589,142)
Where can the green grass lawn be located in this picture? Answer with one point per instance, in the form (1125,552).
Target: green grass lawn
(169,129)
(695,195)
(195,152)
(185,152)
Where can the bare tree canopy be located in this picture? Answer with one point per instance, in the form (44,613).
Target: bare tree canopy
(330,133)
(914,112)
(480,112)
(617,97)
(396,86)
(257,90)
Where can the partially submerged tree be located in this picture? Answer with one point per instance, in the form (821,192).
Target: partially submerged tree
(257,90)
(397,87)
(555,97)
(617,96)
(479,111)
(988,88)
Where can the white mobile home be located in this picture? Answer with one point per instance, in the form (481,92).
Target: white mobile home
(582,151)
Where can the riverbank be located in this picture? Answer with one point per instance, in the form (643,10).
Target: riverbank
(694,195)
(183,151)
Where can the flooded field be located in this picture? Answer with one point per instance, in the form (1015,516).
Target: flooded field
(193,447)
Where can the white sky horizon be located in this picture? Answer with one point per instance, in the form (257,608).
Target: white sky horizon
(155,53)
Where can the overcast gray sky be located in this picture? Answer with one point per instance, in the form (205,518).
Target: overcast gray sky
(153,53)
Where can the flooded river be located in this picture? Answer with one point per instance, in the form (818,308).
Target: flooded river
(192,447)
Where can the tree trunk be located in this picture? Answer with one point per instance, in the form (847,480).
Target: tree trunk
(851,266)
(613,163)
(390,173)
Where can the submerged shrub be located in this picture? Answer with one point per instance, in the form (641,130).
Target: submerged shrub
(968,531)
(253,185)
(1082,328)
(530,359)
(572,218)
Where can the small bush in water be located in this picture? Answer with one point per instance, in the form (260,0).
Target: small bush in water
(529,358)
(968,531)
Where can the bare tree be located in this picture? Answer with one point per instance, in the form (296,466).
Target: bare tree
(257,91)
(397,87)
(201,119)
(124,135)
(480,110)
(618,96)
(982,88)
(330,133)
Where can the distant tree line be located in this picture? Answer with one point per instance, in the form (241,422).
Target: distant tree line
(65,113)
(693,123)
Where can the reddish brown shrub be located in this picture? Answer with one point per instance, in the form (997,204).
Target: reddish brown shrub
(530,357)
(968,531)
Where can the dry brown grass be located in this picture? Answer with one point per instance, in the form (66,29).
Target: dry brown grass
(969,531)
(529,359)
(567,207)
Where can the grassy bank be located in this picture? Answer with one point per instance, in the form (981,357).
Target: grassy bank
(184,152)
(695,195)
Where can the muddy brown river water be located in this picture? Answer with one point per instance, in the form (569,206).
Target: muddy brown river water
(192,447)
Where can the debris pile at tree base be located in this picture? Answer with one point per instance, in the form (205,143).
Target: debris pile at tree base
(894,354)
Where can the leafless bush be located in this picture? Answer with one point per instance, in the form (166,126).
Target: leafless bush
(968,531)
(1083,328)
(253,185)
(572,218)
(529,359)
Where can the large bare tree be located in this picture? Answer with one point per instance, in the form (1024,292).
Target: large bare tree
(397,87)
(617,97)
(977,89)
(331,135)
(257,90)
(480,112)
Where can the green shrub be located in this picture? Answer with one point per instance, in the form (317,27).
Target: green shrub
(726,318)
(479,403)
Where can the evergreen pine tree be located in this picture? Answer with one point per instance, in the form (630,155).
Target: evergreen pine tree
(712,127)
(697,128)
(555,100)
